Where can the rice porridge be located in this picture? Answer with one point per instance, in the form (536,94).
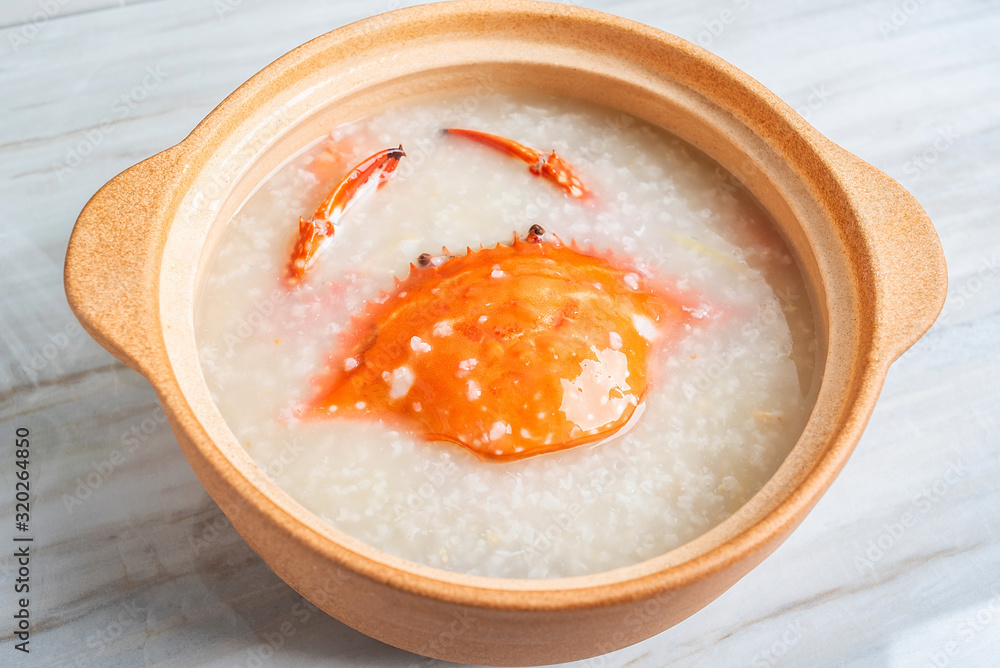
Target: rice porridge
(728,393)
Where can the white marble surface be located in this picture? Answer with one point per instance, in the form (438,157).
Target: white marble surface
(133,564)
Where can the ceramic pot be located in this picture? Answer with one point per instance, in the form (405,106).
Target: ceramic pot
(869,253)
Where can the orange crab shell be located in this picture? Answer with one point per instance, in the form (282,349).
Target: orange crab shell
(508,351)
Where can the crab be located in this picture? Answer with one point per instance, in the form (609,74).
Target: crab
(509,351)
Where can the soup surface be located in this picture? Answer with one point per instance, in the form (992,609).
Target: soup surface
(727,400)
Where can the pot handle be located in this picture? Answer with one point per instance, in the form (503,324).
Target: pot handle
(113,260)
(907,262)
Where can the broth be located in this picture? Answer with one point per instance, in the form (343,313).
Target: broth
(731,395)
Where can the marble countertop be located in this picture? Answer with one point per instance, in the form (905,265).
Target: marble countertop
(132,563)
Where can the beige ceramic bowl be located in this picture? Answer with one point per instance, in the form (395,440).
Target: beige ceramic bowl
(869,253)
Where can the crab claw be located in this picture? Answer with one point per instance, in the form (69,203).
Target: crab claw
(551,166)
(370,173)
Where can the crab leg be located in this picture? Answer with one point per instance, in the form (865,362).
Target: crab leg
(550,166)
(371,173)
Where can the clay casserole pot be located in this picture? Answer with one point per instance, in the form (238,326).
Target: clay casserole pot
(870,256)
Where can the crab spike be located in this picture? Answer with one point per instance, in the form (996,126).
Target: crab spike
(551,166)
(318,230)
